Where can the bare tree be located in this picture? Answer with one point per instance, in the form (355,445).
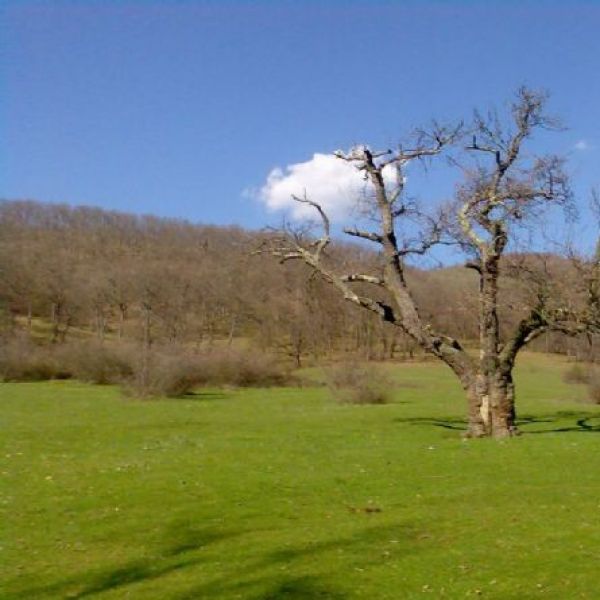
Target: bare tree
(504,188)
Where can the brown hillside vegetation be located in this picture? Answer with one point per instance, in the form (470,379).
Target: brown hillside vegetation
(67,272)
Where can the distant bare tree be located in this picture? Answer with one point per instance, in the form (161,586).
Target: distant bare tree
(505,187)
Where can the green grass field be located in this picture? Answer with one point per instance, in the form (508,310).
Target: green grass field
(281,493)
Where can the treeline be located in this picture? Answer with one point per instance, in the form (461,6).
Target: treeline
(67,272)
(140,277)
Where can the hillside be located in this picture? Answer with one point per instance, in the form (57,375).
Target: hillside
(69,271)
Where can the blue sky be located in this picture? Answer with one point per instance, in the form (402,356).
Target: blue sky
(177,108)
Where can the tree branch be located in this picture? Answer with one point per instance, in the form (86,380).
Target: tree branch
(362,278)
(367,235)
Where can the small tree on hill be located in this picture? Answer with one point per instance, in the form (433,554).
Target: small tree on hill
(506,187)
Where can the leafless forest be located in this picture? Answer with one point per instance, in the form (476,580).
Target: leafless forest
(72,272)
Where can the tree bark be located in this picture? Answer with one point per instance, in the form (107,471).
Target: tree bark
(491,402)
(478,407)
(502,406)
(491,393)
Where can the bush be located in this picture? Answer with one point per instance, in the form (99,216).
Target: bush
(95,362)
(352,383)
(162,374)
(173,371)
(90,361)
(242,368)
(577,373)
(22,360)
(590,375)
(165,371)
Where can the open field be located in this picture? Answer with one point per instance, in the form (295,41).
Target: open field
(281,493)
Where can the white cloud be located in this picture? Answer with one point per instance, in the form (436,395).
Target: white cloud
(331,182)
(582,145)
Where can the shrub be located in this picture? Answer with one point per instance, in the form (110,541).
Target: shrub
(243,368)
(353,383)
(165,371)
(590,375)
(173,371)
(22,360)
(577,373)
(162,375)
(95,362)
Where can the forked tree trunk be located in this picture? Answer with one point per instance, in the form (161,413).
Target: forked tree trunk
(490,393)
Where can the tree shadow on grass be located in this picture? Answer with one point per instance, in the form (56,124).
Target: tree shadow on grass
(169,560)
(301,588)
(266,576)
(578,422)
(90,584)
(279,587)
(202,396)
(183,536)
(272,577)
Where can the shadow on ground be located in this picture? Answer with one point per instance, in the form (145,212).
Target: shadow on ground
(202,396)
(560,422)
(266,575)
(275,571)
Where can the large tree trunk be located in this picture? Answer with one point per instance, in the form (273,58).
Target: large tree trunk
(490,393)
(491,402)
(478,406)
(502,406)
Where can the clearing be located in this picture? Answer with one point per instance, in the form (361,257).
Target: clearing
(284,494)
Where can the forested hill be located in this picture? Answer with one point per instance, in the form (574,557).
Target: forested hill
(103,273)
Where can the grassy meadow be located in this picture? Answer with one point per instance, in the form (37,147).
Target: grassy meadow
(284,494)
